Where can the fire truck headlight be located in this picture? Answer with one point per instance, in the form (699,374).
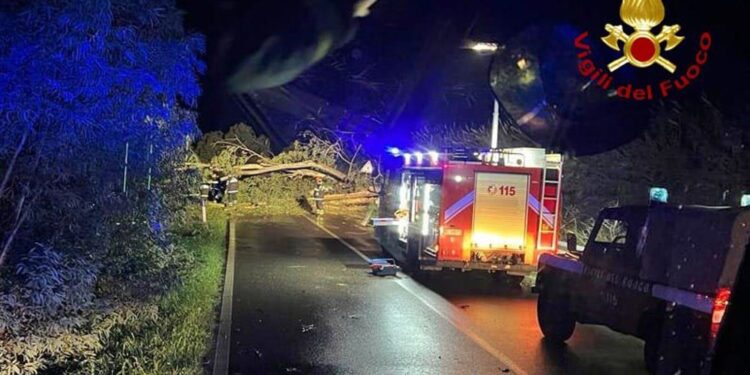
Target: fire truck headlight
(745,200)
(433,157)
(458,178)
(419,157)
(407,159)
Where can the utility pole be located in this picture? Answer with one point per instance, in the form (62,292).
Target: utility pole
(204,190)
(150,153)
(125,172)
(484,48)
(495,124)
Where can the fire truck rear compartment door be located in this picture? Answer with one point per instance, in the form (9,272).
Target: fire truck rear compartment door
(500,211)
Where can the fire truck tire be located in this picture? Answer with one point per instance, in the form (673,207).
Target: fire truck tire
(555,318)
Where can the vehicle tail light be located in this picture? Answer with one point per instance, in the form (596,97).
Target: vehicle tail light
(720,307)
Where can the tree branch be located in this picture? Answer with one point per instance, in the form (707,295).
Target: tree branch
(12,163)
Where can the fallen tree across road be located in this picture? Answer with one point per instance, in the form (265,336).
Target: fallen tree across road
(248,170)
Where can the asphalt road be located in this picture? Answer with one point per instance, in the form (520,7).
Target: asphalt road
(304,303)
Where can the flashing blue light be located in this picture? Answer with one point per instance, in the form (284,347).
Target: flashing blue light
(394,151)
(658,194)
(745,200)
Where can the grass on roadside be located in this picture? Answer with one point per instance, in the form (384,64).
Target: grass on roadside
(177,337)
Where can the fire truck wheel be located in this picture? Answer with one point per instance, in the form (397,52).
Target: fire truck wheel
(554,316)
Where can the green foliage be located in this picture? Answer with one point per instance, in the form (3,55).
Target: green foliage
(206,148)
(440,136)
(171,334)
(275,193)
(52,322)
(310,147)
(79,255)
(238,146)
(245,136)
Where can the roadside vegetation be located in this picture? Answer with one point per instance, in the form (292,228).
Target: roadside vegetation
(173,335)
(102,267)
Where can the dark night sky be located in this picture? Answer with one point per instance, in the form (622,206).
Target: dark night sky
(417,41)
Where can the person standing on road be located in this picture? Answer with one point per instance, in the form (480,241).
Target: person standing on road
(318,196)
(233,186)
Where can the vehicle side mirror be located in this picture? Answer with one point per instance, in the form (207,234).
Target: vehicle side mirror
(572,242)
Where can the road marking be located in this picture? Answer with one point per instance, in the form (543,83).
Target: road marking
(462,325)
(224,336)
(347,244)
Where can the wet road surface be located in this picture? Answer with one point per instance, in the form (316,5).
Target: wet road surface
(303,303)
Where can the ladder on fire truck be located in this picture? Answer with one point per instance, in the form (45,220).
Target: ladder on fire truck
(549,203)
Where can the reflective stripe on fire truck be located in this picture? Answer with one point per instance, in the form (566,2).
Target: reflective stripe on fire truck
(548,216)
(459,206)
(468,199)
(692,300)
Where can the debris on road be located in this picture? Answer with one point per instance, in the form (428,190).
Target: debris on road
(307,327)
(384,267)
(464,307)
(354,316)
(258,353)
(290,370)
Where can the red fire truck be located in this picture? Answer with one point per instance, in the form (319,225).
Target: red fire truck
(494,210)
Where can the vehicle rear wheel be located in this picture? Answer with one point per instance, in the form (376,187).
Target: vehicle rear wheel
(554,316)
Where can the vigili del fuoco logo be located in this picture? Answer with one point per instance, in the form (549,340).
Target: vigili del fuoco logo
(642,49)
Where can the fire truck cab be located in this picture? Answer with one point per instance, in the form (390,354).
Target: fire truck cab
(493,210)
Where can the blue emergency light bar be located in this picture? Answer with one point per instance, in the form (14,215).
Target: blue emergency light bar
(658,194)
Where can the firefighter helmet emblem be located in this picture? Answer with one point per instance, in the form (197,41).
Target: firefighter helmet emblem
(642,48)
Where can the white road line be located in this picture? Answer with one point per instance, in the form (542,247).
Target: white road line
(448,312)
(347,244)
(224,336)
(453,315)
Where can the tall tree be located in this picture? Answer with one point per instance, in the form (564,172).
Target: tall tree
(81,82)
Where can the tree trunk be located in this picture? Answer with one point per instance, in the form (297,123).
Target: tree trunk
(248,170)
(350,196)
